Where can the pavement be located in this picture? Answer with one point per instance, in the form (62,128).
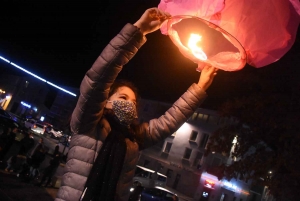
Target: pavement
(13,189)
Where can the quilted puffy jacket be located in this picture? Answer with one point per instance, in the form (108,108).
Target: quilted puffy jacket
(90,129)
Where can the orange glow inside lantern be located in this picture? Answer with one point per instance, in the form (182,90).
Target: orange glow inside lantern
(206,43)
(197,51)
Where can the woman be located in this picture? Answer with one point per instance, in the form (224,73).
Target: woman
(106,142)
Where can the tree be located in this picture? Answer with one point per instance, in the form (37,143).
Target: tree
(267,129)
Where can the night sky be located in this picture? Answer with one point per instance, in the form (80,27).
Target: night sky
(60,40)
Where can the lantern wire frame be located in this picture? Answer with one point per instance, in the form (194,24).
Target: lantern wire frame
(222,50)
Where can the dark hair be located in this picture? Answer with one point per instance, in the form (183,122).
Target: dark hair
(123,83)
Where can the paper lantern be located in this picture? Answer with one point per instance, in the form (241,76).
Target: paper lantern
(266,30)
(206,43)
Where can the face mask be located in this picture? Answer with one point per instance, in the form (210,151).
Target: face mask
(124,110)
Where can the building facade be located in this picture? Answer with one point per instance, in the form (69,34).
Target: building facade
(181,157)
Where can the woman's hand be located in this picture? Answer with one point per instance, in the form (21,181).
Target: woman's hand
(207,76)
(151,20)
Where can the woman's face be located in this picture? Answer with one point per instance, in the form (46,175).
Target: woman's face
(123,93)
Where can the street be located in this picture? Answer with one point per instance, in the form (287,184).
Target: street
(12,189)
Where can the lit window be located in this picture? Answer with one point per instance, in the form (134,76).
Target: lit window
(193,135)
(203,117)
(195,115)
(168,147)
(187,153)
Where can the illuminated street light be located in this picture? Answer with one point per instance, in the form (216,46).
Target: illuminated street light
(38,77)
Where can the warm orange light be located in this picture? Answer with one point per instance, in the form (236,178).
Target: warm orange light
(197,51)
(209,181)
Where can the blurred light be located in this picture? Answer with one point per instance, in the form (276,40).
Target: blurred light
(25,104)
(61,88)
(42,118)
(197,51)
(8,97)
(184,128)
(207,176)
(131,189)
(26,71)
(35,109)
(209,184)
(4,59)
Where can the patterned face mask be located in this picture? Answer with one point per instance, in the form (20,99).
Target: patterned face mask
(124,110)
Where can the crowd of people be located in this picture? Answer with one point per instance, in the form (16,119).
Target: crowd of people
(26,162)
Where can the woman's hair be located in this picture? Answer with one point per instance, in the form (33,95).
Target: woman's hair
(123,83)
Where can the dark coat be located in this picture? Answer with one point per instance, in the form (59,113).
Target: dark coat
(88,124)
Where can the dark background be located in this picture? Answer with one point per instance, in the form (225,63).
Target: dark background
(60,40)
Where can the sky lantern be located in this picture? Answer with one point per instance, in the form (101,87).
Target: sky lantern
(227,34)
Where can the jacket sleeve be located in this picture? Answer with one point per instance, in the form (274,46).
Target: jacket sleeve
(96,83)
(160,128)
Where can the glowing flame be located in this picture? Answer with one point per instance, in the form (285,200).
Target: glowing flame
(197,51)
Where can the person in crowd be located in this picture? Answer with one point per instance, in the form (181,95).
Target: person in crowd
(36,159)
(7,140)
(56,150)
(50,170)
(26,144)
(107,136)
(37,147)
(11,162)
(14,163)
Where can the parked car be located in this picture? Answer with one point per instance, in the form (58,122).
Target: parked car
(29,123)
(3,113)
(154,194)
(38,128)
(55,133)
(9,123)
(148,178)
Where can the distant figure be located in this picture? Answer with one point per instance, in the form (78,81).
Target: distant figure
(56,150)
(11,162)
(7,140)
(50,170)
(37,147)
(36,159)
(27,143)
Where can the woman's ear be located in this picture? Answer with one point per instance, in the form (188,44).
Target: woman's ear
(108,105)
